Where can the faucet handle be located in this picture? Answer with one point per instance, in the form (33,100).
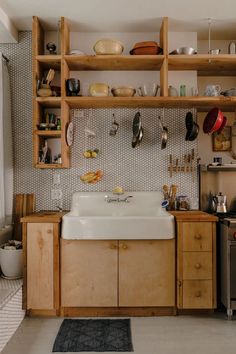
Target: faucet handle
(127,198)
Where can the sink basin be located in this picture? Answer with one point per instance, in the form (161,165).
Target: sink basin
(95,215)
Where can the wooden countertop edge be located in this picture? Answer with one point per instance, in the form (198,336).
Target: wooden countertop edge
(44,216)
(193,215)
(54,216)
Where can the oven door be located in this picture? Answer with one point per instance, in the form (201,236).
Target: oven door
(233,271)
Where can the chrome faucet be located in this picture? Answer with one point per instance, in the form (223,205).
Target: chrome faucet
(117,199)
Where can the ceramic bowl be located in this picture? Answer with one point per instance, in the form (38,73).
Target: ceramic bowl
(99,90)
(123,91)
(108,46)
(184,51)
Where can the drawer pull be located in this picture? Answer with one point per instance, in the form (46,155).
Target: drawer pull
(113,247)
(198,237)
(198,293)
(198,266)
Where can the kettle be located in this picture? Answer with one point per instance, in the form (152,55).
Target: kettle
(219,201)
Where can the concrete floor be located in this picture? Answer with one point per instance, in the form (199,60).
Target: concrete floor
(162,335)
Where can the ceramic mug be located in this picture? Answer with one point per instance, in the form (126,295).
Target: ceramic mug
(172,91)
(212,90)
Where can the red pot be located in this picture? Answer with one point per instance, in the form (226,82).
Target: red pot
(213,121)
(222,125)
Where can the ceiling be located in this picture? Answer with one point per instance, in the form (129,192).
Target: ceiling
(127,15)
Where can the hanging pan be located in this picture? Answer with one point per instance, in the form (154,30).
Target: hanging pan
(192,127)
(213,121)
(164,134)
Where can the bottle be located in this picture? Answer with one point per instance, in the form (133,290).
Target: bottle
(58,123)
(182,91)
(232,48)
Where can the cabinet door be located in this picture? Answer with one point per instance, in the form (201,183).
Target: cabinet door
(147,273)
(89,273)
(40,266)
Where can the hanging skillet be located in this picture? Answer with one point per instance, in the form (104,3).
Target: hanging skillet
(137,127)
(136,124)
(164,134)
(192,127)
(213,121)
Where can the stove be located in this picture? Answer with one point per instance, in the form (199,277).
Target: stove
(227,254)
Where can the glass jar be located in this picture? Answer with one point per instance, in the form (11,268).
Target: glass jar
(183,202)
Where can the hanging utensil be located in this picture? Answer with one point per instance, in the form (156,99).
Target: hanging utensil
(164,134)
(192,163)
(171,166)
(137,130)
(213,121)
(192,127)
(114,126)
(137,124)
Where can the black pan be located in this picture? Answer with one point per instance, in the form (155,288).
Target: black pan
(136,124)
(192,134)
(192,127)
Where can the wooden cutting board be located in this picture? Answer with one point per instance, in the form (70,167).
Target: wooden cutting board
(24,205)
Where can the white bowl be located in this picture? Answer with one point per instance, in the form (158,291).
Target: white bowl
(108,46)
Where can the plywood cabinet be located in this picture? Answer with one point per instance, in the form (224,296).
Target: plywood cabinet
(147,273)
(196,265)
(89,273)
(41,266)
(117,273)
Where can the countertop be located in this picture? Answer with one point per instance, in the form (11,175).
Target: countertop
(193,215)
(55,216)
(44,216)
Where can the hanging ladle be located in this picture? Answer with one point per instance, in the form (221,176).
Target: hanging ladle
(114,126)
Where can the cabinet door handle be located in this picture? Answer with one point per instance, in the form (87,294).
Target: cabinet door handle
(198,293)
(49,231)
(124,246)
(198,237)
(113,247)
(198,265)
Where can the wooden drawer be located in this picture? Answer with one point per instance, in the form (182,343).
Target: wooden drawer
(197,236)
(197,294)
(197,265)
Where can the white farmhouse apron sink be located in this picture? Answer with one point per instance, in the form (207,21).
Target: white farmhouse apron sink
(104,216)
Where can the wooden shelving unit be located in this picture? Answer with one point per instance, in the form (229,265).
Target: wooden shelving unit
(205,65)
(114,62)
(42,62)
(195,101)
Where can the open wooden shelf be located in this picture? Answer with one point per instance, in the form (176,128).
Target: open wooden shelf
(109,102)
(114,62)
(52,133)
(49,61)
(54,102)
(49,165)
(205,64)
